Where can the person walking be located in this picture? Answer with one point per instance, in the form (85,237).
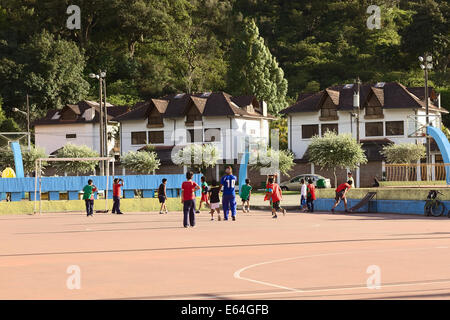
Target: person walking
(162,196)
(245,193)
(274,194)
(311,196)
(188,189)
(117,186)
(228,183)
(204,198)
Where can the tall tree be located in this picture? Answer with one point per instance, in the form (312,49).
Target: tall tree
(254,70)
(429,32)
(47,68)
(336,151)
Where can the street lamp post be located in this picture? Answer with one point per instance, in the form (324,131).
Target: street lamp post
(105,112)
(100,76)
(426,65)
(357,109)
(27,114)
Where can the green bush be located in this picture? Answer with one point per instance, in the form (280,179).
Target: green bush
(141,161)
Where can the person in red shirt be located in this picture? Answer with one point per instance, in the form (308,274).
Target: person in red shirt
(117,186)
(341,194)
(188,189)
(311,195)
(274,194)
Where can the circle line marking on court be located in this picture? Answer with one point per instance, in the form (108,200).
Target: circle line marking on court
(237,274)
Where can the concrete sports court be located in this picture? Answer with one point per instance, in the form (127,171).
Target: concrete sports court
(151,256)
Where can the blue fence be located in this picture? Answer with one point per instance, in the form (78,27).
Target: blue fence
(147,184)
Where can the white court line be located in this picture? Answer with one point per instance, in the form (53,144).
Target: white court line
(237,274)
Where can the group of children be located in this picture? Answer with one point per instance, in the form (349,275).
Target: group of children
(211,196)
(88,196)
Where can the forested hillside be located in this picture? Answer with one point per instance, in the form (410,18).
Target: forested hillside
(273,48)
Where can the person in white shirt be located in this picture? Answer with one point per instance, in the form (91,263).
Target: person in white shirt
(303,195)
(350,178)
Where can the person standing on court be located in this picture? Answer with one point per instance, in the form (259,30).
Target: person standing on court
(188,189)
(88,197)
(117,186)
(228,183)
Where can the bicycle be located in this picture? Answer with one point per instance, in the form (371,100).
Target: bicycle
(434,206)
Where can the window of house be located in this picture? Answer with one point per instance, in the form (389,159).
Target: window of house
(194,135)
(71,136)
(191,118)
(394,128)
(374,129)
(330,127)
(155,120)
(139,137)
(212,135)
(374,111)
(328,109)
(155,137)
(68,115)
(309,130)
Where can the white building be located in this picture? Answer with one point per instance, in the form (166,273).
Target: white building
(77,124)
(386,116)
(180,119)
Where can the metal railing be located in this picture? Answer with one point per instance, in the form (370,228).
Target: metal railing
(416,172)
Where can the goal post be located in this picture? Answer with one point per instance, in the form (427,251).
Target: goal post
(38,176)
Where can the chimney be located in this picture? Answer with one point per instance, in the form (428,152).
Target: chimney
(264,108)
(355,99)
(356,94)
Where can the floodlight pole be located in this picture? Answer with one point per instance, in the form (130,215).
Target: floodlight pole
(356,104)
(427,119)
(426,64)
(105,129)
(357,108)
(28,123)
(35,184)
(102,169)
(40,187)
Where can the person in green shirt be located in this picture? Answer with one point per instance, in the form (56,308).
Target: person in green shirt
(204,199)
(245,193)
(88,197)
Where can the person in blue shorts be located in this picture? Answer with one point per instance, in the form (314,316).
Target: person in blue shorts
(228,183)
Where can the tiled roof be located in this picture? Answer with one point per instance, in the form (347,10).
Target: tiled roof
(142,110)
(419,92)
(209,104)
(53,115)
(391,95)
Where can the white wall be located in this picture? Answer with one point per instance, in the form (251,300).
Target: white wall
(125,134)
(53,137)
(229,150)
(299,145)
